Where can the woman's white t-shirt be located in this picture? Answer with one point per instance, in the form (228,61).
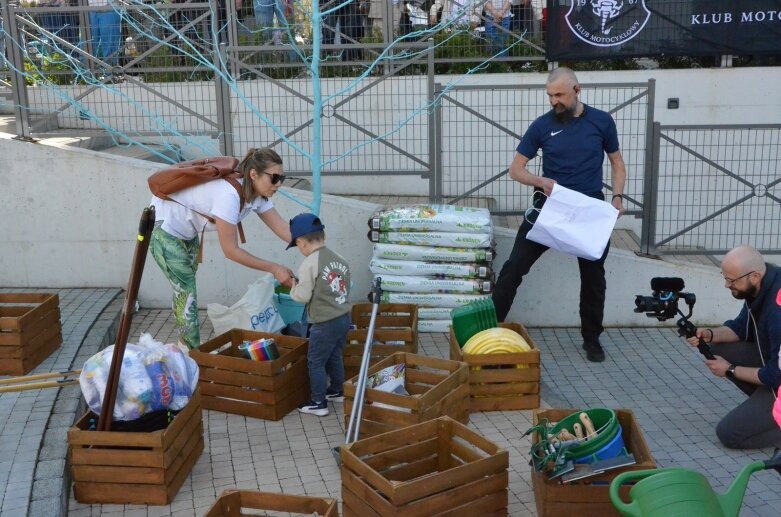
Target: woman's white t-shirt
(217,198)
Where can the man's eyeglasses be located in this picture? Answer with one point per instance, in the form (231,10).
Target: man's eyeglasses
(276,178)
(731,281)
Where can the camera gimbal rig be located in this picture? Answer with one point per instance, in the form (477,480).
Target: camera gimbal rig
(663,305)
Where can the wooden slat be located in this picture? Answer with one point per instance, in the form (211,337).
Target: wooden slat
(504,403)
(492,505)
(137,475)
(354,505)
(274,411)
(29,345)
(477,390)
(381,461)
(234,378)
(364,492)
(43,310)
(377,444)
(416,470)
(453,478)
(457,496)
(508,375)
(35,324)
(129,493)
(28,362)
(287,503)
(28,298)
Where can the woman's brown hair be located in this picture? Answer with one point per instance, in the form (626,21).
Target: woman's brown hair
(260,159)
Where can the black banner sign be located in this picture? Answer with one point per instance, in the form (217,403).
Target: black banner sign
(607,29)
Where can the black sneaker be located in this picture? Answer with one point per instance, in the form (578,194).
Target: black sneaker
(334,396)
(314,408)
(594,352)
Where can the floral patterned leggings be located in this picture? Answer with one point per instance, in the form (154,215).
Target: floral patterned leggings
(178,261)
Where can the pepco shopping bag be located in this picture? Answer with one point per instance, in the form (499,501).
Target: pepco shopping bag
(574,223)
(254,311)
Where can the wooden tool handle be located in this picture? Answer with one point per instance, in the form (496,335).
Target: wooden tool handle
(589,425)
(578,430)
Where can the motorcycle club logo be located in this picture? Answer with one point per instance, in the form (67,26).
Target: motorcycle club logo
(606,23)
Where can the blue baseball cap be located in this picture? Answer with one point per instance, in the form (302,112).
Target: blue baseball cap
(303,224)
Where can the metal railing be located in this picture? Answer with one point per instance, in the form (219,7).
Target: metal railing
(713,188)
(698,189)
(480,126)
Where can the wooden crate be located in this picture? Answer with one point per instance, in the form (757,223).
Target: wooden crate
(437,387)
(231,503)
(590,496)
(395,322)
(495,381)
(232,383)
(439,467)
(29,330)
(111,467)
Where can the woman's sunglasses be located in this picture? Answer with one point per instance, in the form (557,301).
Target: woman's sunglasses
(276,178)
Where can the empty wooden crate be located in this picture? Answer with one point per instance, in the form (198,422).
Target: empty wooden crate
(439,467)
(436,387)
(112,467)
(29,330)
(234,503)
(395,330)
(233,383)
(502,382)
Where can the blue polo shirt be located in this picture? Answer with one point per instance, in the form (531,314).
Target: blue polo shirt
(573,152)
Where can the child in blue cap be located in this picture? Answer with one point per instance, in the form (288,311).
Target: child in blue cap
(323,284)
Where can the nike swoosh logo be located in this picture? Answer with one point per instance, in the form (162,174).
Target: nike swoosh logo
(554,133)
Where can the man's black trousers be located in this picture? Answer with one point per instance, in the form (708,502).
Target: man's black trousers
(523,256)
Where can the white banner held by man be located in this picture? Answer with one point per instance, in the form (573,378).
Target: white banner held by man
(574,223)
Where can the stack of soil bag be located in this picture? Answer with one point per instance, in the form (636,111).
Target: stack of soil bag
(436,256)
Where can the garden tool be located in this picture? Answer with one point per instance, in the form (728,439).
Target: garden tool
(678,492)
(23,383)
(145,227)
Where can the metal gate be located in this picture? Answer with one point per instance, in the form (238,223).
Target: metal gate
(480,126)
(715,187)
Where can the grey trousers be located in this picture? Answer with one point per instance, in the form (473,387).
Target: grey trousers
(751,424)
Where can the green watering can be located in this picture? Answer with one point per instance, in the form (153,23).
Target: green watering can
(672,492)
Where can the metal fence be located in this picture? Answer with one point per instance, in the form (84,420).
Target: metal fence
(699,190)
(480,126)
(713,188)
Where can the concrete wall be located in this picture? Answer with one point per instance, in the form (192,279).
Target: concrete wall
(70,217)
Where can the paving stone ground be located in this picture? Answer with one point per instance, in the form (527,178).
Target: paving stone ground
(649,370)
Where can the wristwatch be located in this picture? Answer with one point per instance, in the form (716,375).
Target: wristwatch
(730,373)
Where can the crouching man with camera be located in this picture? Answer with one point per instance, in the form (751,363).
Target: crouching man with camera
(746,349)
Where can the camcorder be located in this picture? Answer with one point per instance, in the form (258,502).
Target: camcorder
(663,305)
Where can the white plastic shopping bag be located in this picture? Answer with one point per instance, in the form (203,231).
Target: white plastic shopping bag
(574,223)
(254,311)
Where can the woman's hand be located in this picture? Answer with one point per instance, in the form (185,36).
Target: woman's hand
(283,275)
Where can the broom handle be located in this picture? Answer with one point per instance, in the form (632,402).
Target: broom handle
(38,376)
(137,268)
(38,385)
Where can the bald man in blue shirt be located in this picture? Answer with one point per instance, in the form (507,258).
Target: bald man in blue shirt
(574,139)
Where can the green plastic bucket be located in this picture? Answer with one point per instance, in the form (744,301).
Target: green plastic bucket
(606,424)
(472,318)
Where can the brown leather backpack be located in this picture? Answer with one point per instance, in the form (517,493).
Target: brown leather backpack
(195,172)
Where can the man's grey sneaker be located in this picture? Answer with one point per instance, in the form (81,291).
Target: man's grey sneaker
(594,352)
(334,396)
(314,408)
